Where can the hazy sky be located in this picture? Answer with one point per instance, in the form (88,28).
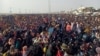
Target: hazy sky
(42,6)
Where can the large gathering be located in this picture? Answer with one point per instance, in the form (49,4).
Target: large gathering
(49,35)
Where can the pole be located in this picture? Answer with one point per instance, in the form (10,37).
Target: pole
(10,10)
(10,17)
(19,11)
(49,6)
(49,10)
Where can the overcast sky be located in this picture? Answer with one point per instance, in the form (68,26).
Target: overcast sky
(42,6)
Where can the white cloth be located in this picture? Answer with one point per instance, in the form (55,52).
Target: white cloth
(65,54)
(24,53)
(72,25)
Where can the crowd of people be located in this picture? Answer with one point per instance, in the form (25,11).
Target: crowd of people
(49,35)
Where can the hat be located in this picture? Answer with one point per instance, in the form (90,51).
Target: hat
(64,46)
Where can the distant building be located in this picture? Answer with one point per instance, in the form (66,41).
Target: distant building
(84,10)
